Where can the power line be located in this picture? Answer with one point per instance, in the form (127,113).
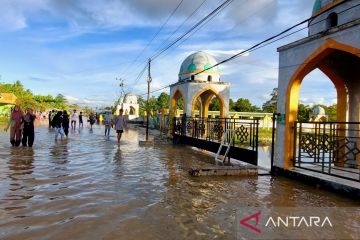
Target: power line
(265,42)
(219,8)
(154,37)
(201,26)
(215,11)
(182,24)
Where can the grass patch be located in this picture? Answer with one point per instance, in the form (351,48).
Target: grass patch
(265,136)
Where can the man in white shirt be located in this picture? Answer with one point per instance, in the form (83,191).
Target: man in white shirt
(74,118)
(120,124)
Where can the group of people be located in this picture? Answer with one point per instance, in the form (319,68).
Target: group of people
(22,125)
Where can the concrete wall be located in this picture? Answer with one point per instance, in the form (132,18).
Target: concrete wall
(320,23)
(291,57)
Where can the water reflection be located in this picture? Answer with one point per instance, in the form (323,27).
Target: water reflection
(88,187)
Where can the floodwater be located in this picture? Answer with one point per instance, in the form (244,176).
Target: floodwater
(87,187)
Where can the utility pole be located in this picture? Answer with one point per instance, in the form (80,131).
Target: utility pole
(121,84)
(148,98)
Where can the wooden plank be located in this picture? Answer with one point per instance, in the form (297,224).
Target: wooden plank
(224,171)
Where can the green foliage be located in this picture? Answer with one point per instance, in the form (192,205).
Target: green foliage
(244,105)
(270,105)
(180,103)
(303,113)
(214,105)
(163,101)
(330,111)
(26,99)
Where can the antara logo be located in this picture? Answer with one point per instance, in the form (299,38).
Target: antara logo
(251,227)
(297,221)
(288,221)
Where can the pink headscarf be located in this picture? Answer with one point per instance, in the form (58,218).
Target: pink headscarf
(17,115)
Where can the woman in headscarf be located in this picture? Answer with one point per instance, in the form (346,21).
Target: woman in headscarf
(15,124)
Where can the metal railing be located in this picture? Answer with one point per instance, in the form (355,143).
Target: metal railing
(245,131)
(328,147)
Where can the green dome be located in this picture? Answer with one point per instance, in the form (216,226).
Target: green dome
(319,5)
(201,64)
(207,66)
(192,67)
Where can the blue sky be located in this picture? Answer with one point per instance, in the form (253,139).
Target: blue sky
(78,48)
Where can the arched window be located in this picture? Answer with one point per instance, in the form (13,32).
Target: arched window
(332,20)
(209,78)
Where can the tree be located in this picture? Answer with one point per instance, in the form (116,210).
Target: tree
(270,105)
(163,101)
(303,113)
(244,105)
(214,104)
(231,105)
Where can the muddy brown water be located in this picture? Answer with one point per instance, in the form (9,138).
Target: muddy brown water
(87,187)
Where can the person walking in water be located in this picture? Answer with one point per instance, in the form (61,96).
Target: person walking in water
(120,124)
(65,123)
(57,124)
(92,119)
(15,124)
(74,118)
(81,123)
(49,117)
(28,130)
(108,122)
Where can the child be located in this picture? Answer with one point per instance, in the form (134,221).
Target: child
(120,124)
(28,130)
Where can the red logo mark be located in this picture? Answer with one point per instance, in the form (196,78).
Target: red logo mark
(257,218)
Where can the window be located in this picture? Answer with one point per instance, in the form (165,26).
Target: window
(209,78)
(332,20)
(192,77)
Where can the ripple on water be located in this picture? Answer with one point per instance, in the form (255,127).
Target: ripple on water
(88,187)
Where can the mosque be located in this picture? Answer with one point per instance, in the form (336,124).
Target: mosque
(129,103)
(333,47)
(199,82)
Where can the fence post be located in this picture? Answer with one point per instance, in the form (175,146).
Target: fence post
(273,141)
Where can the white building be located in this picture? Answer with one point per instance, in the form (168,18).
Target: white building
(129,103)
(199,82)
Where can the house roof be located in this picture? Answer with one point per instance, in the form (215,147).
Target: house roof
(7,98)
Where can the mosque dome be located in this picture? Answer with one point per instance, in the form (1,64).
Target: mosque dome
(321,5)
(130,98)
(196,63)
(317,110)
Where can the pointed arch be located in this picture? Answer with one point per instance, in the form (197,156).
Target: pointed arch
(177,94)
(210,92)
(315,60)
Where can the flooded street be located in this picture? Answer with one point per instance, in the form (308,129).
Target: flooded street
(87,187)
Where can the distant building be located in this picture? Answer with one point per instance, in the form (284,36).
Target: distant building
(129,103)
(7,101)
(318,115)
